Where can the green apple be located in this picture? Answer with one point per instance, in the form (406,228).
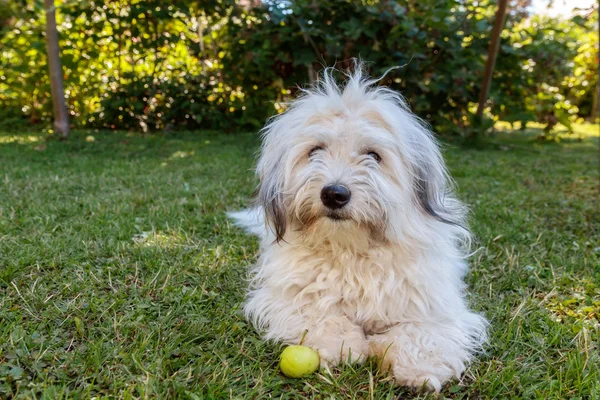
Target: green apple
(297,361)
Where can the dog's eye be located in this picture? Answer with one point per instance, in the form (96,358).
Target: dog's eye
(314,150)
(375,156)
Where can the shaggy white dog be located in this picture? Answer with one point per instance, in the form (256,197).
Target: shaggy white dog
(363,243)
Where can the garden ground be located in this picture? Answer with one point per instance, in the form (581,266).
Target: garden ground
(120,275)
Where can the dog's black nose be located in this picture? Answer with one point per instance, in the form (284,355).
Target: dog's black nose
(335,196)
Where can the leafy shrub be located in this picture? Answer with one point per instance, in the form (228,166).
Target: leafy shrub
(547,71)
(438,43)
(153,65)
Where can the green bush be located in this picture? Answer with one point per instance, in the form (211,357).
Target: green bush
(153,65)
(547,71)
(438,44)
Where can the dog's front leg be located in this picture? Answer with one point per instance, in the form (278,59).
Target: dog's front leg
(423,355)
(336,339)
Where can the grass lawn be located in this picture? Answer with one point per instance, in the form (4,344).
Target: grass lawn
(120,275)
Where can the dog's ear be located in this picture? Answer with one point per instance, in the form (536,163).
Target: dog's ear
(431,180)
(269,193)
(429,194)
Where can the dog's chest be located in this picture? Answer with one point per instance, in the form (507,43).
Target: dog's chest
(368,289)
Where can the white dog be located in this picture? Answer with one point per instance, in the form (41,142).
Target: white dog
(363,243)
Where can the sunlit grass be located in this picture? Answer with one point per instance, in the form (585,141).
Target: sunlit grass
(581,304)
(181,154)
(558,133)
(158,239)
(19,139)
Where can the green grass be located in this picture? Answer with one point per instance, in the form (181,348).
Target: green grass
(120,275)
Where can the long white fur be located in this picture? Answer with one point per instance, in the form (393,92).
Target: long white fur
(388,280)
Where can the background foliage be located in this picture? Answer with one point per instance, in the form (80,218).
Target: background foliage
(155,65)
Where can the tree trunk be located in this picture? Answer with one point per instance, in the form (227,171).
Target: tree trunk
(61,118)
(120,45)
(492,53)
(594,113)
(200,23)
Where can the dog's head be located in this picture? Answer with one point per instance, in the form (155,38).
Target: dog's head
(344,160)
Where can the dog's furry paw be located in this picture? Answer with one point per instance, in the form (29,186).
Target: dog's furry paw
(426,383)
(340,353)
